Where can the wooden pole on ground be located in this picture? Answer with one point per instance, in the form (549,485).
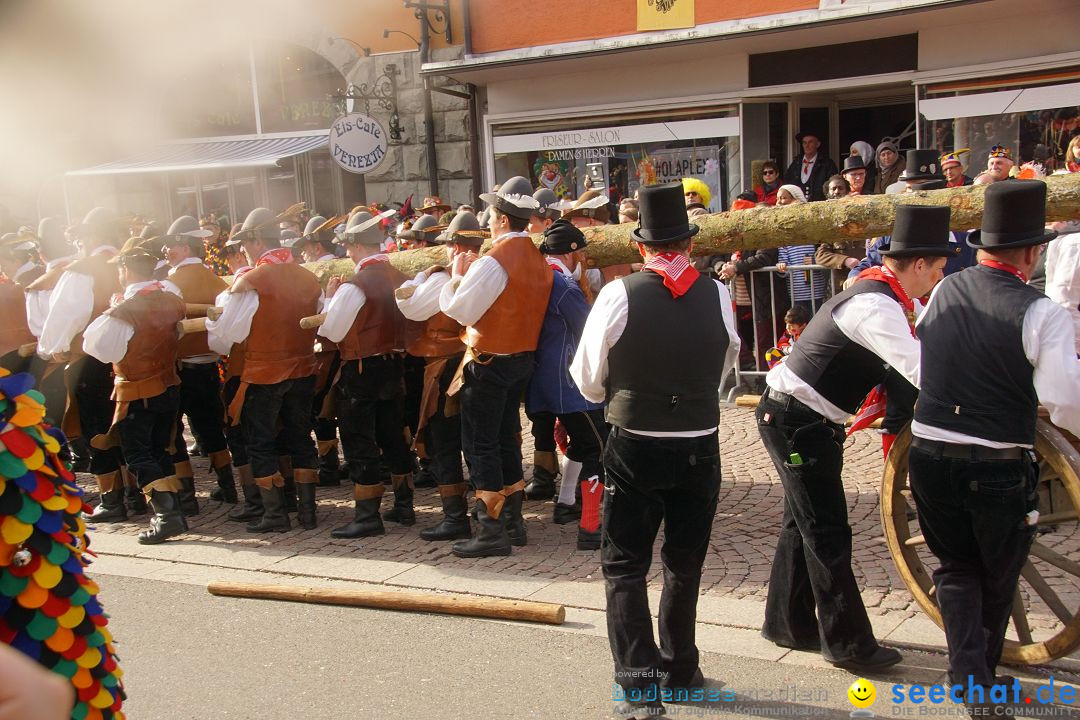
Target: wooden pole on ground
(496,608)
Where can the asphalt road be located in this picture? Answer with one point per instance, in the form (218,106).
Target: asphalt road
(188,654)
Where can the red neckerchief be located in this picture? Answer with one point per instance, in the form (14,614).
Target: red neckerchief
(277,256)
(676,270)
(371,261)
(1005,267)
(885,275)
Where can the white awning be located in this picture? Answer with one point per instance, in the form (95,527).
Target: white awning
(1001,102)
(212,155)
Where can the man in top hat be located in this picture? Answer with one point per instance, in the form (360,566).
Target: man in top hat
(953,169)
(812,168)
(845,352)
(662,457)
(200,384)
(364,320)
(137,335)
(855,173)
(972,474)
(436,337)
(999,163)
(552,394)
(434,206)
(264,307)
(83,293)
(501,300)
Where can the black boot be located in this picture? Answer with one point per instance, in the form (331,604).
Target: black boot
(542,485)
(226,486)
(111,508)
(403,511)
(290,494)
(423,477)
(135,501)
(274,518)
(515,524)
(305,515)
(252,509)
(455,522)
(490,540)
(330,469)
(189,504)
(366,521)
(168,520)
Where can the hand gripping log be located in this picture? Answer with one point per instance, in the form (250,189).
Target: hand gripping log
(447,604)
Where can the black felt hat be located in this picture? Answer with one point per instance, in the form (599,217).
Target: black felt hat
(663,214)
(1014,215)
(853,162)
(562,237)
(920,231)
(923,165)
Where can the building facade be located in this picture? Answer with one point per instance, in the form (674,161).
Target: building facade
(592,100)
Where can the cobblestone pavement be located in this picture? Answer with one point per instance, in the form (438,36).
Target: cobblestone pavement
(743,537)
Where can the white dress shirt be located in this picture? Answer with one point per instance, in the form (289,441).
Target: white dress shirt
(71,306)
(185,261)
(346,303)
(467,298)
(234,324)
(107,337)
(37,301)
(808,167)
(424,301)
(1063,276)
(606,323)
(1050,346)
(877,323)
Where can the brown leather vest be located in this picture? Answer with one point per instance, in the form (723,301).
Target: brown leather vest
(278,349)
(106,284)
(512,323)
(438,336)
(199,285)
(379,327)
(149,366)
(13,329)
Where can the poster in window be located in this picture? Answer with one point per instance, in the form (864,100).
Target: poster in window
(701,162)
(664,14)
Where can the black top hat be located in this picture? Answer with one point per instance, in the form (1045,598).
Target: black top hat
(1014,215)
(809,131)
(561,238)
(853,162)
(920,231)
(923,165)
(663,214)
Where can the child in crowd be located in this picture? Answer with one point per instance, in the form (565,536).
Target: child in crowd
(795,321)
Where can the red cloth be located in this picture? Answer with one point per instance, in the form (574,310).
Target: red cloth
(278,256)
(1005,267)
(676,270)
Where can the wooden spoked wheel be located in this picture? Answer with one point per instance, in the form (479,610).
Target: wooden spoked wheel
(1047,573)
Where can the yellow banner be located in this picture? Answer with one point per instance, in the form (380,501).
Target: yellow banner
(664,14)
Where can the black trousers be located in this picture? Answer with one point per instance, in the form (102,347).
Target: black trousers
(812,565)
(200,400)
(649,480)
(325,427)
(15,364)
(972,515)
(50,381)
(442,435)
(264,405)
(370,417)
(586,432)
(91,382)
(145,433)
(412,371)
(234,434)
(490,419)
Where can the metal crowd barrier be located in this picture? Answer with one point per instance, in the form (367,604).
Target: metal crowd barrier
(832,286)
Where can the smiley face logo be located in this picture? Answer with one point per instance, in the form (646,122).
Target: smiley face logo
(862,694)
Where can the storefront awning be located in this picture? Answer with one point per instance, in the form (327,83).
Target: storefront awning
(212,155)
(1045,97)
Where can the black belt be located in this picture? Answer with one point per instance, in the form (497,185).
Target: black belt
(967,452)
(789,402)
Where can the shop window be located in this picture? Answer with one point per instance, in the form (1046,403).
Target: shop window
(324,200)
(244,183)
(1040,135)
(281,185)
(214,97)
(215,193)
(295,85)
(183,195)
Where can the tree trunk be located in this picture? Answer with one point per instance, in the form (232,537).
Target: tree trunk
(854,218)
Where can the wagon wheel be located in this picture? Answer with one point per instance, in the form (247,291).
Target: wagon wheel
(1058,460)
